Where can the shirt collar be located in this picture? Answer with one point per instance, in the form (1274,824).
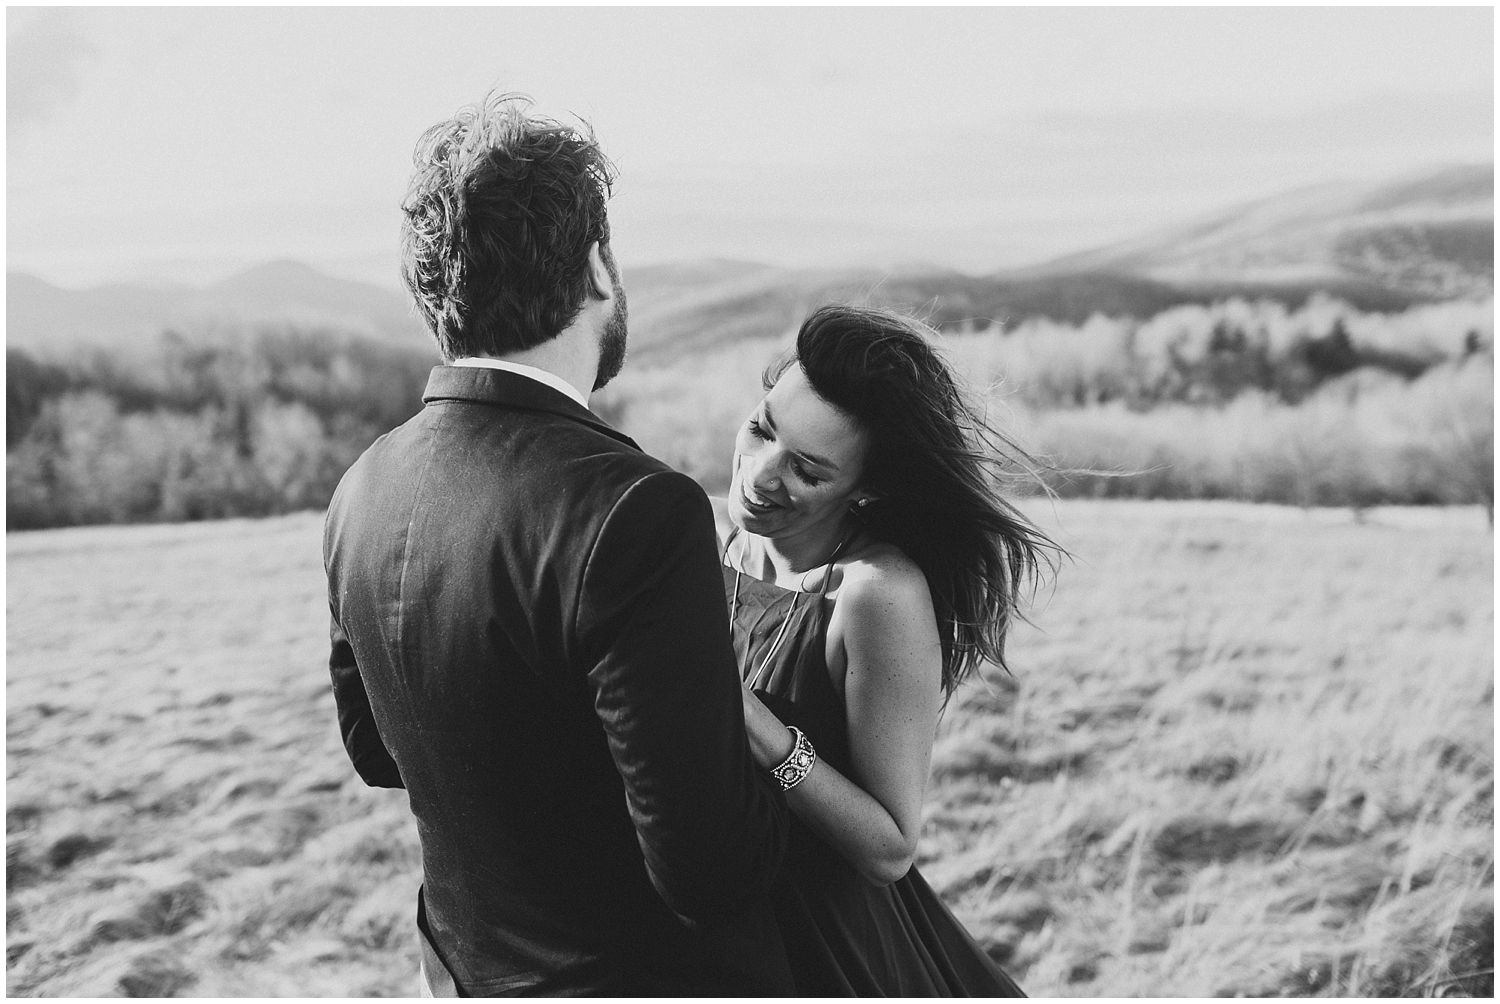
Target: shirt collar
(521,369)
(490,386)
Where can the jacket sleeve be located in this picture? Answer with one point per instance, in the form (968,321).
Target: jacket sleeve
(653,626)
(372,761)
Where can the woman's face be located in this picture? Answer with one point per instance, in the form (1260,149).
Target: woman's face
(798,462)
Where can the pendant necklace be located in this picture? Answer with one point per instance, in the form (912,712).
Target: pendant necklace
(734,606)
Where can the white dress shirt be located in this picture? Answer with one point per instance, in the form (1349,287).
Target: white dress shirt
(539,375)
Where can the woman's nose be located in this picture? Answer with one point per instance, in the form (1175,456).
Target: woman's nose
(765,473)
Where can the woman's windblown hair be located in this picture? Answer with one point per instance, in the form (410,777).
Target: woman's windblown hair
(937,470)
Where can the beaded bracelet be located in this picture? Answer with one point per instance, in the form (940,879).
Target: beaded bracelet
(798,764)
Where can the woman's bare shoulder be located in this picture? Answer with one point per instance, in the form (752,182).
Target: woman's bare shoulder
(883,573)
(883,619)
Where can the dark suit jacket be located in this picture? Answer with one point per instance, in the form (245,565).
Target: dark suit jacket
(529,635)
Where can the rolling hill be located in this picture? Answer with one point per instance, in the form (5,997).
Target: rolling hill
(1381,247)
(1429,236)
(40,316)
(1378,246)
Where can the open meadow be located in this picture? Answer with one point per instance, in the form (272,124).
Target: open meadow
(1247,750)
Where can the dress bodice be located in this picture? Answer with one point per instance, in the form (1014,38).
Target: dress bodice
(844,935)
(780,644)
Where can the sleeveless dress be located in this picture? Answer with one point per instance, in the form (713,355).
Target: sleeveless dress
(844,935)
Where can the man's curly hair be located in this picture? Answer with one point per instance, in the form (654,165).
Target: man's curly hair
(499,217)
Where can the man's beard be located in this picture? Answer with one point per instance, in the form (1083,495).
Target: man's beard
(613,338)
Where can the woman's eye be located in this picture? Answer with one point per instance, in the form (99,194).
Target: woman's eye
(801,472)
(756,430)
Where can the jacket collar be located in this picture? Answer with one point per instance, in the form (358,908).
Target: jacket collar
(482,385)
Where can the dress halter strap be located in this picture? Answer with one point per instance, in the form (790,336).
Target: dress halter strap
(828,571)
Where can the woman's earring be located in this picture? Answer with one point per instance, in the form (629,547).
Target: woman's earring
(861,503)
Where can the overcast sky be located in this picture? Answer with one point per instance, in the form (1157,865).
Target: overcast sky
(182,144)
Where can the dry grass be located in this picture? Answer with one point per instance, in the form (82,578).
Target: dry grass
(181,818)
(1248,750)
(1251,752)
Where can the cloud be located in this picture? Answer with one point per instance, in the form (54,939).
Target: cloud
(46,54)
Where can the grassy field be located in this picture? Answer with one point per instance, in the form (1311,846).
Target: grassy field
(1247,750)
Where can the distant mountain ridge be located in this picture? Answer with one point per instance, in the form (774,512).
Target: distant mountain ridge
(1380,246)
(1425,236)
(39,315)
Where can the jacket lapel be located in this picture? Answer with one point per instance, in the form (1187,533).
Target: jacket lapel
(482,385)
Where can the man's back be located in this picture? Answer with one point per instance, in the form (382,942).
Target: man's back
(535,616)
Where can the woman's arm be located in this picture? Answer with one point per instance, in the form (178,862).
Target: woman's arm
(892,697)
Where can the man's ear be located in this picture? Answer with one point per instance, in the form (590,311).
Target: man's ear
(600,285)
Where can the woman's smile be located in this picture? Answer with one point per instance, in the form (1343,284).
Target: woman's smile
(755,502)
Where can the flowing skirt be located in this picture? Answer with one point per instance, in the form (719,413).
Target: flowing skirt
(846,937)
